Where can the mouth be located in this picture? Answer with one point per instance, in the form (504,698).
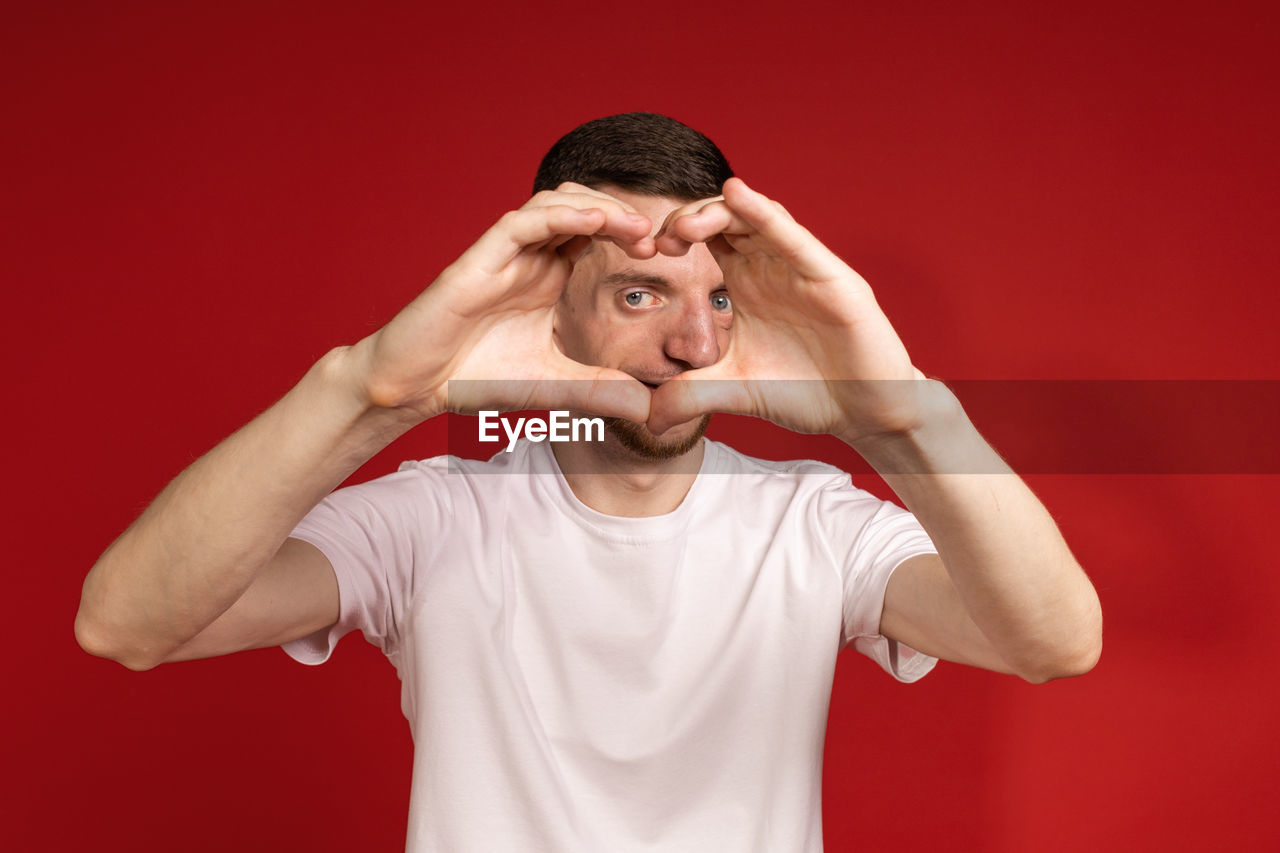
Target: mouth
(652,381)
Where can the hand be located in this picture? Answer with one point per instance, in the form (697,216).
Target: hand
(809,350)
(490,314)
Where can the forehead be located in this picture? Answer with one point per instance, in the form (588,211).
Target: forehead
(604,262)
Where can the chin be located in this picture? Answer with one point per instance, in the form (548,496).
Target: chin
(673,443)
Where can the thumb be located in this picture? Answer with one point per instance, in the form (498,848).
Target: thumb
(598,391)
(564,385)
(689,395)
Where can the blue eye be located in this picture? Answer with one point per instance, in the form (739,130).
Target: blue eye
(635,298)
(720,301)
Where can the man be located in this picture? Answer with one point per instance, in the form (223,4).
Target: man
(627,643)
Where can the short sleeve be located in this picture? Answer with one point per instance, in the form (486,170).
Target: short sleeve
(869,539)
(374,535)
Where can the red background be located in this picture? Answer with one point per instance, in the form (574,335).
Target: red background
(201,199)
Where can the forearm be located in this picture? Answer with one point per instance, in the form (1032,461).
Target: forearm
(201,543)
(1008,562)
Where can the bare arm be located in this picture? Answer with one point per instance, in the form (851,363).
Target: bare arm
(201,544)
(206,569)
(1004,592)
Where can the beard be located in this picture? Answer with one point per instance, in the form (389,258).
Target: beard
(641,442)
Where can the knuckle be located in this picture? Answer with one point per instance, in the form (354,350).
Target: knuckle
(561,208)
(715,205)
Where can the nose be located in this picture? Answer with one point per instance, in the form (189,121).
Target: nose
(694,338)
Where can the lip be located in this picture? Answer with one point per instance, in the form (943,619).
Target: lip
(653,384)
(650,381)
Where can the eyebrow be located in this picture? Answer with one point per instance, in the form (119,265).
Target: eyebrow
(630,276)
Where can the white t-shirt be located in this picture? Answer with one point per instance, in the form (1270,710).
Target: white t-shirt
(576,681)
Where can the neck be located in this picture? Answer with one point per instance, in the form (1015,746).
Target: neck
(613,480)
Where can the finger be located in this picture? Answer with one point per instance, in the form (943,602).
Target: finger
(573,188)
(532,227)
(676,245)
(700,226)
(641,249)
(695,393)
(686,210)
(624,228)
(526,227)
(566,385)
(622,221)
(571,248)
(602,391)
(787,238)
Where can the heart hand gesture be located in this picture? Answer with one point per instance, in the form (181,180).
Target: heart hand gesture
(810,349)
(488,318)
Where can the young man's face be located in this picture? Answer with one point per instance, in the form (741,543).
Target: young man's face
(653,319)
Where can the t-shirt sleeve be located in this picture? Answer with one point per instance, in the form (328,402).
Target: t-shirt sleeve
(374,535)
(870,538)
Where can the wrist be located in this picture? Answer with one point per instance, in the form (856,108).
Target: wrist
(939,440)
(343,379)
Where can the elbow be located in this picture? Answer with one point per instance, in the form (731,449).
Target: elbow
(1069,659)
(94,639)
(102,630)
(1070,665)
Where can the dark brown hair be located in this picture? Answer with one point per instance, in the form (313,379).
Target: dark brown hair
(644,153)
